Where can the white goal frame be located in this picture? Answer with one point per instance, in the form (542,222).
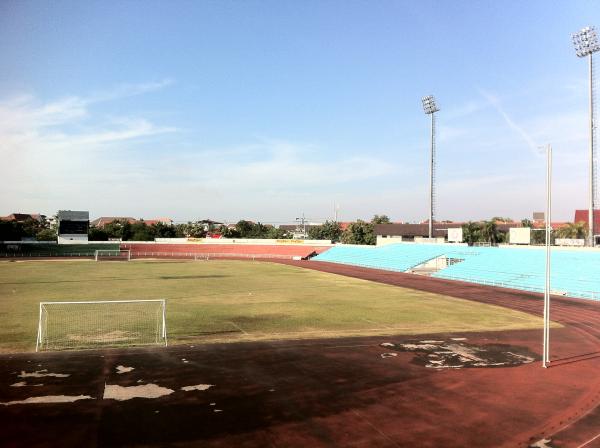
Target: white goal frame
(43,319)
(117,253)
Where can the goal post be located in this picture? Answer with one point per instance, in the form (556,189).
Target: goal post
(101,324)
(115,254)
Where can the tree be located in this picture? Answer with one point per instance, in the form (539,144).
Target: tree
(275,233)
(359,232)
(245,228)
(229,232)
(526,223)
(97,234)
(31,227)
(471,232)
(380,219)
(538,237)
(10,231)
(572,230)
(501,219)
(191,230)
(489,232)
(162,230)
(330,230)
(46,235)
(114,229)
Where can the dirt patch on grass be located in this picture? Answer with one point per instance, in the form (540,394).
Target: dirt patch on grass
(113,336)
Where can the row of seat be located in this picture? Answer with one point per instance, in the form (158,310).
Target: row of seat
(574,272)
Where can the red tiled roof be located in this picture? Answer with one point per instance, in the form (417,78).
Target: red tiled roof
(583,215)
(20,217)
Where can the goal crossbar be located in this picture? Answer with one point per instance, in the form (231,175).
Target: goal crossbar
(114,253)
(101,323)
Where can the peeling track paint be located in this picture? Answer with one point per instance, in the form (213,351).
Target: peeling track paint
(122,393)
(197,387)
(41,374)
(50,399)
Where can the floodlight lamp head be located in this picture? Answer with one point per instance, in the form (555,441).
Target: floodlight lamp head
(586,42)
(429,105)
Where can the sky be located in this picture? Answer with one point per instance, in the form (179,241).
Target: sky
(268,110)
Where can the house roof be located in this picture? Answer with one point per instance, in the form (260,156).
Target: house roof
(20,217)
(439,229)
(103,220)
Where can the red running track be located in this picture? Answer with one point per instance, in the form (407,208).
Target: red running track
(576,345)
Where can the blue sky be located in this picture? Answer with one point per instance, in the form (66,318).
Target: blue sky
(267,109)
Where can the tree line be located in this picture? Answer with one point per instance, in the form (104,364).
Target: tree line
(359,232)
(40,230)
(488,232)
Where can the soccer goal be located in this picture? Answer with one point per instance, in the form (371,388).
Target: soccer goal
(99,324)
(116,254)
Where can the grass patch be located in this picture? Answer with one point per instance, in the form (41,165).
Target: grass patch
(240,300)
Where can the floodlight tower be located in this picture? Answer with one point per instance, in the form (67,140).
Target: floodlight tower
(586,44)
(430,108)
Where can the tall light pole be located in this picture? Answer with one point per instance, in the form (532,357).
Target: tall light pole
(431,108)
(586,44)
(546,344)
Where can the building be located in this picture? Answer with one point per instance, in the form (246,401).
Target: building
(73,226)
(410,232)
(584,215)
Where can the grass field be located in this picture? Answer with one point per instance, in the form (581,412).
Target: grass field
(240,300)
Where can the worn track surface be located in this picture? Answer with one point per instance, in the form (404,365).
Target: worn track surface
(334,392)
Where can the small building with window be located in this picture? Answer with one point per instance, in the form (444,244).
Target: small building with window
(73,226)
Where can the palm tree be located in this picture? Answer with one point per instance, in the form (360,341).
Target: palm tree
(573,230)
(471,232)
(490,232)
(526,223)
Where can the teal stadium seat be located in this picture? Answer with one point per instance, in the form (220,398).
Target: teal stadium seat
(574,272)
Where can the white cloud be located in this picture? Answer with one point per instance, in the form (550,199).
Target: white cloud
(62,155)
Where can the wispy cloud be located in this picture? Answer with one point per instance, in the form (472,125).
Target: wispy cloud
(128,90)
(495,103)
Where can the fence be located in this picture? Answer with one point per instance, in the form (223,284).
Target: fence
(190,255)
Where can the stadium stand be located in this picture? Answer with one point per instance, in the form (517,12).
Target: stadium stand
(574,272)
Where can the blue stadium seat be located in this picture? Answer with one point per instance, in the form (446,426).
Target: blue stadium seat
(574,272)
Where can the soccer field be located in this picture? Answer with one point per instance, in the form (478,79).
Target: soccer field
(240,300)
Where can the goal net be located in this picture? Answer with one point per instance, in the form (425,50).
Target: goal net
(116,254)
(86,325)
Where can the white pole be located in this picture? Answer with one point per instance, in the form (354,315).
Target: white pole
(591,229)
(546,344)
(39,336)
(431,169)
(164,320)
